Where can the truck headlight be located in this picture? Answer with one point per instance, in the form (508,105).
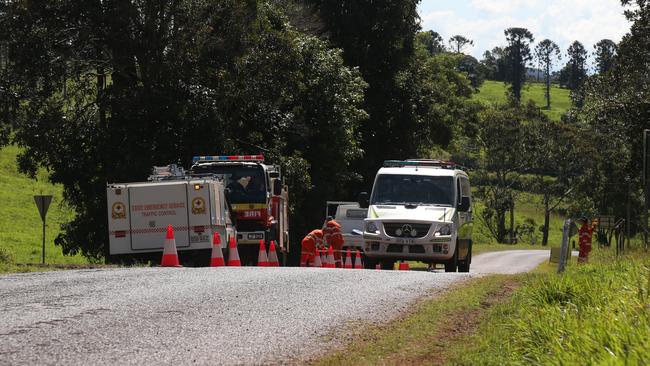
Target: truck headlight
(444,229)
(371,227)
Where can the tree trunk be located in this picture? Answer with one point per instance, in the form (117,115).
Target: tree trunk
(547,216)
(512,223)
(548,86)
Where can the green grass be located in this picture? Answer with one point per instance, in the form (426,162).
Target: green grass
(20,223)
(423,336)
(495,92)
(592,314)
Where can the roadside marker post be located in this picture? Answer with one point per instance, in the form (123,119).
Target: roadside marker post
(43,203)
(565,245)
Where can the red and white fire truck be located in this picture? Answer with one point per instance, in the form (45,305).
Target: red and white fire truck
(257,198)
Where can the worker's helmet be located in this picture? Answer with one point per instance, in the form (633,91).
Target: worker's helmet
(318,233)
(333,224)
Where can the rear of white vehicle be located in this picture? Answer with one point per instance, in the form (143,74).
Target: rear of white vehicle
(351,217)
(419,210)
(139,213)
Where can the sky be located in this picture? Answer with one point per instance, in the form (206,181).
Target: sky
(561,21)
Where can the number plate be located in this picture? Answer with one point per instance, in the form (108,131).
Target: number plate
(405,241)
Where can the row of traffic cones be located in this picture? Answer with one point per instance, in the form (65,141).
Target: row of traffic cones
(325,259)
(170,255)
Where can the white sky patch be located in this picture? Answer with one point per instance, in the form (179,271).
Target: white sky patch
(562,21)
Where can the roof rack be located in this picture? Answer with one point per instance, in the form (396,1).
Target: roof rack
(422,162)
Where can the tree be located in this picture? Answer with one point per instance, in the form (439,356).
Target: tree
(576,69)
(546,52)
(431,41)
(473,70)
(517,55)
(557,158)
(494,62)
(504,153)
(457,43)
(186,78)
(605,54)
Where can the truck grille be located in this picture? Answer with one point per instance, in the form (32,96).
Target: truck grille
(406,230)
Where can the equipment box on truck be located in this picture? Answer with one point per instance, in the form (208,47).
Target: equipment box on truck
(139,213)
(350,216)
(419,210)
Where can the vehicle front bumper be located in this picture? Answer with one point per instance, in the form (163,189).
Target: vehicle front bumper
(429,248)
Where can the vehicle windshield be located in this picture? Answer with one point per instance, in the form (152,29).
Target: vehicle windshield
(413,189)
(244,183)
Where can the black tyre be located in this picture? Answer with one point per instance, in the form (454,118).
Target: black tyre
(369,263)
(463,266)
(388,264)
(452,264)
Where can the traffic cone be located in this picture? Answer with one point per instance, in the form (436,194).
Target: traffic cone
(170,255)
(330,258)
(377,267)
(317,262)
(348,260)
(262,259)
(404,266)
(357,261)
(217,254)
(233,254)
(273,256)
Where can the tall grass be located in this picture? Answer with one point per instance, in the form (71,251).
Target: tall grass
(597,313)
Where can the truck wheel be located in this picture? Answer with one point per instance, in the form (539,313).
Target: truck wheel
(463,266)
(388,264)
(369,263)
(451,264)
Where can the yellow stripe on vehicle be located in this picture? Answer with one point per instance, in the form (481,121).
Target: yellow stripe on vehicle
(248,206)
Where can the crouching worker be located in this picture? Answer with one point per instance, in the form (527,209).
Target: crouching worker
(308,246)
(334,238)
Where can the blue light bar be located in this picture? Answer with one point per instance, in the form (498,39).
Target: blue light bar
(228,158)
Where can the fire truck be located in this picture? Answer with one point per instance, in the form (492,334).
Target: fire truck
(257,199)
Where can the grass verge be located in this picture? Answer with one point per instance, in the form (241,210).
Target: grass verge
(424,336)
(594,314)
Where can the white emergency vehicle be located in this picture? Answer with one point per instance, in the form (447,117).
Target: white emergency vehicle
(139,213)
(419,210)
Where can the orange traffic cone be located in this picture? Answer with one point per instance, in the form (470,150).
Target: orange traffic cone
(377,266)
(262,259)
(330,258)
(170,255)
(404,266)
(357,261)
(217,255)
(317,262)
(273,256)
(323,258)
(233,254)
(348,260)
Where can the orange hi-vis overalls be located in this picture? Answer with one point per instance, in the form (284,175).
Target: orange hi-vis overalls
(334,238)
(585,233)
(308,246)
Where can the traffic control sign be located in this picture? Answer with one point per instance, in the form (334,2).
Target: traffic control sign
(43,203)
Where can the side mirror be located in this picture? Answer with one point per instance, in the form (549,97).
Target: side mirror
(363,200)
(357,232)
(464,204)
(277,187)
(274,175)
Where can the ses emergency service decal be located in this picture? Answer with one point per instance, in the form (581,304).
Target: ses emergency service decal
(198,206)
(118,211)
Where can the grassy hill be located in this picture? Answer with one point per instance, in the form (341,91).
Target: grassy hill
(20,224)
(495,92)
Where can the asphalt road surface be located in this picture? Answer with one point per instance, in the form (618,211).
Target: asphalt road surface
(190,316)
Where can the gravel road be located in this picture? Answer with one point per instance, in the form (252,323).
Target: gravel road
(208,315)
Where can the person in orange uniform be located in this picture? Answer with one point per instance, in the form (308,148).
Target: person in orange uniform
(585,234)
(334,238)
(308,246)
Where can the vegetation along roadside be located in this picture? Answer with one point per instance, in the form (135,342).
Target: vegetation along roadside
(591,314)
